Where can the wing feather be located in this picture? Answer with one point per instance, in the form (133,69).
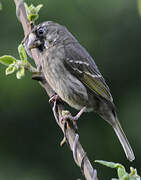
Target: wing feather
(83,66)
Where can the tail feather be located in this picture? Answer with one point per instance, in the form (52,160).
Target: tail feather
(123,140)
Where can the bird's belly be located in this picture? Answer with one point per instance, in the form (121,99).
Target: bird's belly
(72,91)
(67,86)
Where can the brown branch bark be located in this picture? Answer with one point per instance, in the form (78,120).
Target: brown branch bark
(71,136)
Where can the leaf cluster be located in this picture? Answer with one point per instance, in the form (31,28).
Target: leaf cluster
(122,174)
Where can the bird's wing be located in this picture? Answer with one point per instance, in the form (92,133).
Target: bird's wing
(83,66)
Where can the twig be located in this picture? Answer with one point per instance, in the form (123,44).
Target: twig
(71,137)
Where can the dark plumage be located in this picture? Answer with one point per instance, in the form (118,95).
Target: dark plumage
(73,74)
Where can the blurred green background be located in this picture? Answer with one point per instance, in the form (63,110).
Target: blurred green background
(29,136)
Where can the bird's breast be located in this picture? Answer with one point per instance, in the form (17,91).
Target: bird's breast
(66,85)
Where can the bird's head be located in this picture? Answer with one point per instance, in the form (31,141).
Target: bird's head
(46,35)
(43,36)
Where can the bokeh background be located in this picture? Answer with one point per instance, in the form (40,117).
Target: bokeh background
(29,136)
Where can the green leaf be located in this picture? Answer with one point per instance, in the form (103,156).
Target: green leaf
(122,174)
(110,164)
(38,7)
(22,53)
(133,173)
(11,69)
(120,168)
(26,8)
(33,17)
(33,11)
(20,73)
(7,60)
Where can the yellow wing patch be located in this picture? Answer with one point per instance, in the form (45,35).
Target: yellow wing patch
(95,84)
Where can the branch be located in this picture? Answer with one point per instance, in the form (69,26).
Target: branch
(71,137)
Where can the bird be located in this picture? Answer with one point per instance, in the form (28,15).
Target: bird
(73,75)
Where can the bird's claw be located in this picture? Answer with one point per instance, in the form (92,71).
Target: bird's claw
(54,98)
(67,115)
(63,141)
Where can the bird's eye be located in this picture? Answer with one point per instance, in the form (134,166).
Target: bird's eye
(40,32)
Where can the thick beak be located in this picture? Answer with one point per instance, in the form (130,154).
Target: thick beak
(33,42)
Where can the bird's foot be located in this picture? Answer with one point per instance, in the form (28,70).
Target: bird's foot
(63,141)
(54,98)
(67,115)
